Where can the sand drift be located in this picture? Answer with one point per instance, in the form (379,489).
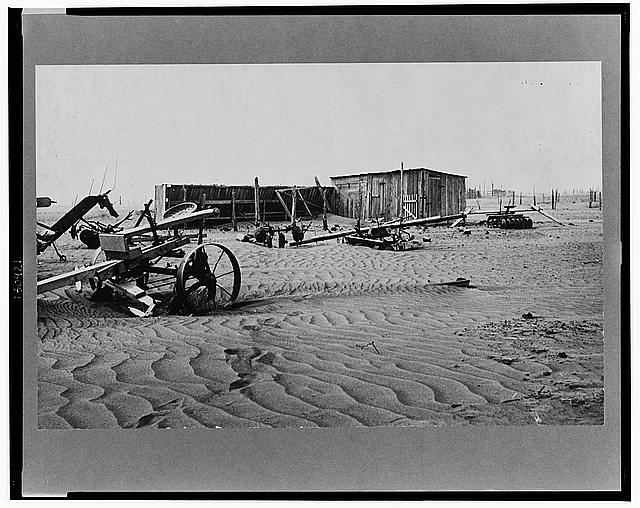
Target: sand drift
(338,335)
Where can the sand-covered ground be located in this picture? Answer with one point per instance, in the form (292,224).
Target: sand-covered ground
(338,335)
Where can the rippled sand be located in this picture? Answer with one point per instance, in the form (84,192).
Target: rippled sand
(338,335)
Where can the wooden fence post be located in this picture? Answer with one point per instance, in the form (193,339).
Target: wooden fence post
(401,197)
(234,221)
(294,203)
(256,204)
(323,193)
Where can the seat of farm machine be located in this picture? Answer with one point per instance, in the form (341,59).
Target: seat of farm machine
(509,219)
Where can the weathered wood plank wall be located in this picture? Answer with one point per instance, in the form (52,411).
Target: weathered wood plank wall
(219,196)
(373,195)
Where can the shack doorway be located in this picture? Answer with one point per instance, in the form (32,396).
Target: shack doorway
(435,199)
(378,198)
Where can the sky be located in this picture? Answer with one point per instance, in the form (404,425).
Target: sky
(518,125)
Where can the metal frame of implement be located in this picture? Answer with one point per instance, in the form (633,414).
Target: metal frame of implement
(513,210)
(130,259)
(389,225)
(399,224)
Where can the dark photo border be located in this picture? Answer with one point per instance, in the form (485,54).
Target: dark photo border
(475,463)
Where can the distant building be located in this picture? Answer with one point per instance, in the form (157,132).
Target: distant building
(412,193)
(497,193)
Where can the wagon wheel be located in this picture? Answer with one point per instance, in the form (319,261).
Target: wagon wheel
(208,278)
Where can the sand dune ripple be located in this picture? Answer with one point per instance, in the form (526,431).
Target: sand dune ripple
(334,335)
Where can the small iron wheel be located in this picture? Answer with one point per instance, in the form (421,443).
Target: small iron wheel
(208,278)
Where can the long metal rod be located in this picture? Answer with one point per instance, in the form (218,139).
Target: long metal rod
(539,210)
(390,225)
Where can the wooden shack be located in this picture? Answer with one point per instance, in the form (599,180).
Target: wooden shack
(251,203)
(413,193)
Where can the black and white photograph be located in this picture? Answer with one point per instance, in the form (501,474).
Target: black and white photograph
(265,248)
(319,245)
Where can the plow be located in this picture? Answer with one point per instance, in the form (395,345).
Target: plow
(131,263)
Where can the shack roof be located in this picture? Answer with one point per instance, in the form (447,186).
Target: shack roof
(397,171)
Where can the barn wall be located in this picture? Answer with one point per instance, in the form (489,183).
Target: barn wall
(374,195)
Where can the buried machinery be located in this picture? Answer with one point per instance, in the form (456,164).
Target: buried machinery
(391,235)
(205,276)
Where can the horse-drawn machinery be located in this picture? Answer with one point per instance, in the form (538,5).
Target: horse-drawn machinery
(134,262)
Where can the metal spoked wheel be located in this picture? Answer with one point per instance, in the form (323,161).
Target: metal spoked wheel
(208,278)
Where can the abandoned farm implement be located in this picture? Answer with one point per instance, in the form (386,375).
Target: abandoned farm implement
(69,220)
(205,276)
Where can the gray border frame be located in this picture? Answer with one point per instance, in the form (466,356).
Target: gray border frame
(447,458)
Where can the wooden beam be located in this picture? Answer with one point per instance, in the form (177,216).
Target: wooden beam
(284,205)
(408,212)
(401,213)
(264,208)
(160,201)
(539,210)
(234,221)
(67,279)
(256,202)
(294,196)
(290,189)
(169,223)
(323,192)
(238,201)
(305,204)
